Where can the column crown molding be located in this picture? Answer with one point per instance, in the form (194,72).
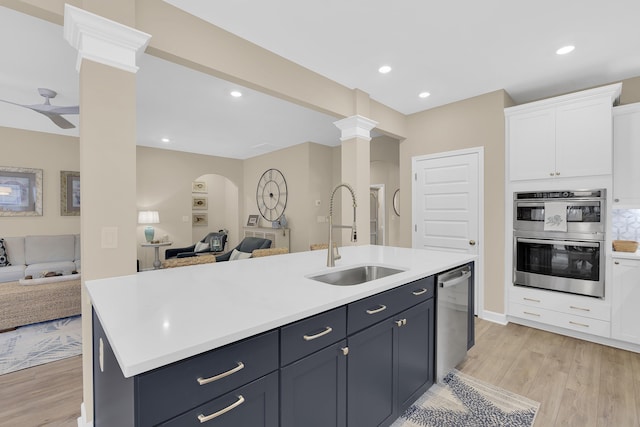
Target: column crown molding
(355,127)
(102,40)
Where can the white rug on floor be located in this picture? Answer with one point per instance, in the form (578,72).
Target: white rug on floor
(40,343)
(463,401)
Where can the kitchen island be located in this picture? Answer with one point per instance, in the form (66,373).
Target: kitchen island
(152,320)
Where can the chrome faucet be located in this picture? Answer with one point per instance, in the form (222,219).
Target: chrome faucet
(332,253)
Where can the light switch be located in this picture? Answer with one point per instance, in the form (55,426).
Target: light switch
(109,237)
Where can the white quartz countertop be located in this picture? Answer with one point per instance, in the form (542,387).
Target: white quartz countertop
(158,317)
(626,255)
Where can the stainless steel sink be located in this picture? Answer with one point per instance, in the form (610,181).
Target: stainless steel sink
(356,275)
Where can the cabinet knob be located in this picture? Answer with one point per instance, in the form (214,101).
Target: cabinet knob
(616,262)
(472,242)
(551,173)
(616,200)
(557,173)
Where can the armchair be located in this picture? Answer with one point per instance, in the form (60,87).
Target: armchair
(215,242)
(247,245)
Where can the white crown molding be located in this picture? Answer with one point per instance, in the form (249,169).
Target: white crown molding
(355,127)
(102,40)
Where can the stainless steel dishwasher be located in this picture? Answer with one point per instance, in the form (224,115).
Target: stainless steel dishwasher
(452,319)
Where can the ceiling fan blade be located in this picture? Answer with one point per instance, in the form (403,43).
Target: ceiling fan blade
(9,102)
(59,120)
(74,109)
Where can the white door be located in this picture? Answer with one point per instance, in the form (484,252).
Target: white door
(447,208)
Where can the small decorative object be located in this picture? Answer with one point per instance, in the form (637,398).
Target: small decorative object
(252,221)
(271,194)
(148,217)
(280,222)
(396,202)
(199,187)
(625,245)
(69,193)
(198,202)
(200,219)
(21,191)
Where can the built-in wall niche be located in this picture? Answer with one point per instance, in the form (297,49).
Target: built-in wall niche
(626,224)
(214,206)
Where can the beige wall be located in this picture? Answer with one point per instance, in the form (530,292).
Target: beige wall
(306,168)
(52,154)
(475,122)
(164,180)
(630,91)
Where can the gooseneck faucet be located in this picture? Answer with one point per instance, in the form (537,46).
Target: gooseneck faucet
(332,253)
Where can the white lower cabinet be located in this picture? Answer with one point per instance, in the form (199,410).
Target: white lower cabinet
(574,312)
(625,318)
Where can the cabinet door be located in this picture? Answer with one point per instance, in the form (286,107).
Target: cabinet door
(313,390)
(371,378)
(416,338)
(584,142)
(252,405)
(531,139)
(626,152)
(625,316)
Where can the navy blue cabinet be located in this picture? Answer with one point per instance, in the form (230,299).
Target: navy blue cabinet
(313,389)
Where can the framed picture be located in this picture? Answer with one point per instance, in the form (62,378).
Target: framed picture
(253,221)
(199,219)
(198,187)
(69,193)
(199,202)
(20,191)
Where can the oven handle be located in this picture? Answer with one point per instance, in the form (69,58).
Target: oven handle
(560,242)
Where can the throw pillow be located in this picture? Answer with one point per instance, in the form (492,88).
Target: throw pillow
(236,254)
(200,246)
(4,258)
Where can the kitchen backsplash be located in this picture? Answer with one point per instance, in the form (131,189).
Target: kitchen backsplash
(626,224)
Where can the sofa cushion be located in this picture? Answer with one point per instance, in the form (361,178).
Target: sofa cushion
(15,250)
(200,246)
(11,273)
(236,254)
(77,246)
(4,257)
(45,249)
(36,270)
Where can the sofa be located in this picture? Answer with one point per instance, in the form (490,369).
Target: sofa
(35,255)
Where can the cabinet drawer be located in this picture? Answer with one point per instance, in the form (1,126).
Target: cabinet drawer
(563,320)
(312,334)
(255,404)
(368,311)
(565,303)
(175,388)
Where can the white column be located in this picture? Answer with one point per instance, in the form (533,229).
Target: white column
(355,138)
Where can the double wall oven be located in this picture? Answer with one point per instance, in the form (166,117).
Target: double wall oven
(559,241)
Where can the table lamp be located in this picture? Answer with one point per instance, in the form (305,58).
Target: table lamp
(148,217)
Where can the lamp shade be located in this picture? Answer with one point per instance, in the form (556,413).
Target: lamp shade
(148,217)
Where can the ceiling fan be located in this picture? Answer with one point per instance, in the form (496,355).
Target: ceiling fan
(53,112)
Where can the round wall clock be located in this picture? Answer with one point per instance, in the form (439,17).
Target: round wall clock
(271,194)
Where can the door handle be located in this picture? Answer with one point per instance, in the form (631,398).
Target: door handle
(472,242)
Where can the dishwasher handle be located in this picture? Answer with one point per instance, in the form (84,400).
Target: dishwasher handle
(466,274)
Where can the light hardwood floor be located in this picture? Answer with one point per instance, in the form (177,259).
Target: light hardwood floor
(578,383)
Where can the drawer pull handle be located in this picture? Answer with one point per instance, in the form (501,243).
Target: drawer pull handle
(530,299)
(205,418)
(203,381)
(420,292)
(318,335)
(579,308)
(578,324)
(377,310)
(531,314)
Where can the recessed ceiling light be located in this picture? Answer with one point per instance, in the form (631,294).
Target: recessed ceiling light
(384,69)
(564,50)
(236,93)
(165,140)
(424,94)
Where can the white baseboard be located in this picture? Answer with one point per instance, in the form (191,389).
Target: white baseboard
(494,317)
(82,420)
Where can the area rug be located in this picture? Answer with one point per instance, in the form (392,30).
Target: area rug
(40,343)
(463,401)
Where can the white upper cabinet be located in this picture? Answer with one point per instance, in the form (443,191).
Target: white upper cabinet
(626,156)
(566,136)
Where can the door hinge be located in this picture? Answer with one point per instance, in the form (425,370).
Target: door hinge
(415,227)
(415,176)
